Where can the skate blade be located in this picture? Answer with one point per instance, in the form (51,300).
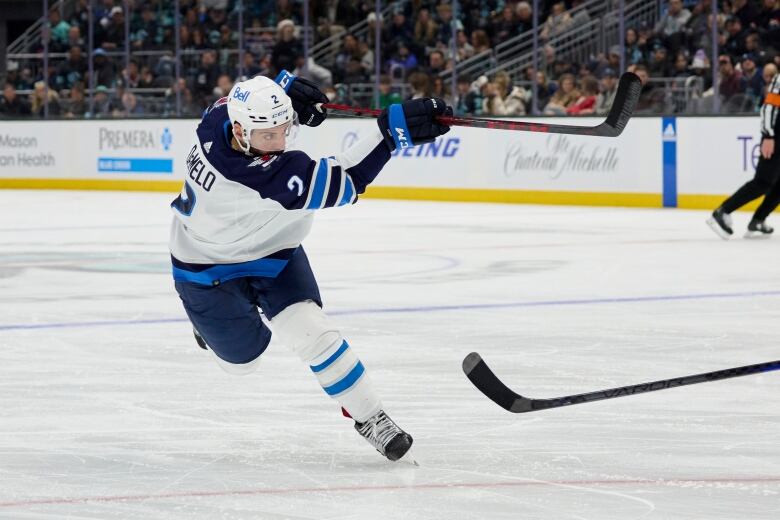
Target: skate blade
(717,229)
(757,235)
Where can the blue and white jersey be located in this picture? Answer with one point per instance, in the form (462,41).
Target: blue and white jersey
(244,216)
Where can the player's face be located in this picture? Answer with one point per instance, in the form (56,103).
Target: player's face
(271,139)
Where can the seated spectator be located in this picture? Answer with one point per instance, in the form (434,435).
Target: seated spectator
(11,105)
(131,75)
(633,52)
(366,57)
(697,29)
(131,107)
(110,33)
(586,103)
(399,30)
(469,97)
(436,63)
(348,51)
(224,86)
(680,69)
(544,89)
(444,34)
(101,103)
(753,78)
(387,96)
(731,80)
(480,41)
(401,62)
(504,99)
(673,20)
(251,69)
(420,84)
(425,29)
(464,49)
(59,31)
(189,106)
(104,68)
(746,11)
(768,20)
(146,78)
(564,97)
(651,99)
(504,25)
(38,100)
(287,47)
(557,23)
(206,75)
(144,31)
(524,16)
(735,42)
(71,71)
(606,97)
(354,73)
(659,62)
(77,105)
(441,90)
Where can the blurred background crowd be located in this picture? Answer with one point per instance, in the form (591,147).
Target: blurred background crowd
(486,58)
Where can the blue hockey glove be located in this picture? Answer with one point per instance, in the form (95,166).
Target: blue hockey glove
(305,96)
(413,122)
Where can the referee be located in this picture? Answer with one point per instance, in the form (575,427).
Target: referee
(765,182)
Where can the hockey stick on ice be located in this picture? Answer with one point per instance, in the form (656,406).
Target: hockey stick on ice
(487,383)
(626,97)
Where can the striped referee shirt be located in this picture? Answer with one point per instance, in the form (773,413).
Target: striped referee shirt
(770,108)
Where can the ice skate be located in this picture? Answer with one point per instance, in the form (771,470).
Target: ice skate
(384,435)
(721,224)
(758,229)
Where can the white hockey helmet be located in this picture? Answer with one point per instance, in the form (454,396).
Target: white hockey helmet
(264,110)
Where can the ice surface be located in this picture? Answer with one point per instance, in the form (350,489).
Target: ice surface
(108,409)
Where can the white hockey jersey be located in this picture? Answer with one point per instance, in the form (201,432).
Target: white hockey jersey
(245,216)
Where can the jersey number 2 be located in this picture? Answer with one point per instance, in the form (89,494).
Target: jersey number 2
(185,205)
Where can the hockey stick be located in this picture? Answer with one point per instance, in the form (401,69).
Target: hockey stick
(487,383)
(626,97)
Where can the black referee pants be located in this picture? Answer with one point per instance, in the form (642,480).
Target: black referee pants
(766,182)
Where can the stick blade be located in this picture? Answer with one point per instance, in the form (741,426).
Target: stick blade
(626,98)
(486,382)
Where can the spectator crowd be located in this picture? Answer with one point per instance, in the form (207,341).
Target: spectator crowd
(420,40)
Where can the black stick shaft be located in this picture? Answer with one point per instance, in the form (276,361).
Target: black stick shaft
(489,384)
(626,97)
(662,384)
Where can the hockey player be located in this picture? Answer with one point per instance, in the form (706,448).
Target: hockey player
(766,180)
(246,205)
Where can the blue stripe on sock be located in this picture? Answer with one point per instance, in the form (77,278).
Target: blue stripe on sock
(347,381)
(332,359)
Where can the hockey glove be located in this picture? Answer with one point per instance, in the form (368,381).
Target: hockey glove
(413,122)
(305,96)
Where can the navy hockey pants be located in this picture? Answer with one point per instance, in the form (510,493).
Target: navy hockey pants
(227,316)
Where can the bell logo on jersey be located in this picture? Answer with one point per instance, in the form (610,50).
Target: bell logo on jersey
(241,95)
(402,140)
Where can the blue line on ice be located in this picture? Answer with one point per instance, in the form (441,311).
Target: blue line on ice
(428,308)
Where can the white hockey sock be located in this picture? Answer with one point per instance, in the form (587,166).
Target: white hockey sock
(343,377)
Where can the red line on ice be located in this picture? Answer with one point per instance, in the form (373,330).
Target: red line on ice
(467,485)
